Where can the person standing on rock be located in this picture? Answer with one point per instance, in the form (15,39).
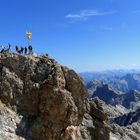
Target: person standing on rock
(16,48)
(21,50)
(25,50)
(30,49)
(9,47)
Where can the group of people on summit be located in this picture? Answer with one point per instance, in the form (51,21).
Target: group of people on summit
(24,50)
(21,50)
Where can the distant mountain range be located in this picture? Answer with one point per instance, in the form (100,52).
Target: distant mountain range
(105,75)
(120,91)
(122,80)
(114,97)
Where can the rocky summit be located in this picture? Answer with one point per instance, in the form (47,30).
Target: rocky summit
(42,100)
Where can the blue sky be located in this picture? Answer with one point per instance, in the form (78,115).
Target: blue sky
(85,35)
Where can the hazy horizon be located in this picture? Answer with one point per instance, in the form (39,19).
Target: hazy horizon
(107,70)
(83,35)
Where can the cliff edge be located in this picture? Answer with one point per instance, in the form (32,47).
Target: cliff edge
(42,100)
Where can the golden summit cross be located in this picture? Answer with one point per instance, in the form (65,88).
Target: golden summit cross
(29,37)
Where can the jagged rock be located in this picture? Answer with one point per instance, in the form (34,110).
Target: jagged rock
(97,110)
(129,128)
(106,93)
(72,133)
(131,132)
(49,101)
(128,119)
(94,123)
(108,111)
(8,123)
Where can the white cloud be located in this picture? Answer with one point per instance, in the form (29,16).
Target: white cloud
(85,14)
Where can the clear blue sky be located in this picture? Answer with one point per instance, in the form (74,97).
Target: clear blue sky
(86,35)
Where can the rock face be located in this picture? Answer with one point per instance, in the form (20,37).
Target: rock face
(128,119)
(8,123)
(106,93)
(128,125)
(42,100)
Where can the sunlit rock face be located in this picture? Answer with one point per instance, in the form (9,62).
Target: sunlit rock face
(42,100)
